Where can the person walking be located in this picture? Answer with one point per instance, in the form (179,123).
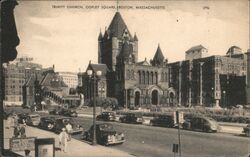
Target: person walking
(22,131)
(16,131)
(69,130)
(63,140)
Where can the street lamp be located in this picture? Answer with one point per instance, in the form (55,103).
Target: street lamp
(201,91)
(224,98)
(94,76)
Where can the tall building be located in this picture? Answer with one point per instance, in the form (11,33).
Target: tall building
(69,78)
(198,80)
(15,75)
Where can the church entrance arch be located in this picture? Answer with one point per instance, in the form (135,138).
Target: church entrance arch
(137,98)
(154,97)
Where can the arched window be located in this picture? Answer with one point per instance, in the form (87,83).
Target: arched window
(152,78)
(139,77)
(148,78)
(156,78)
(143,77)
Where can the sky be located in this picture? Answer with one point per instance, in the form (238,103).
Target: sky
(65,33)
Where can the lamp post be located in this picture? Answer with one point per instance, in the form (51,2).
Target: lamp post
(94,76)
(212,97)
(101,89)
(224,98)
(201,91)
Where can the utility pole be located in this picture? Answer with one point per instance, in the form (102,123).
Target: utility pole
(179,133)
(201,91)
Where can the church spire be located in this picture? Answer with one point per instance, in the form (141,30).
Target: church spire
(135,37)
(158,57)
(117,26)
(100,36)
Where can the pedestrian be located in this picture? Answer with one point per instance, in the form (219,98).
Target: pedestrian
(27,153)
(16,131)
(22,131)
(69,130)
(63,140)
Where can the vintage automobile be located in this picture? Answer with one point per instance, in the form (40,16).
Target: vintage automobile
(22,117)
(246,130)
(106,116)
(64,112)
(132,118)
(201,123)
(163,120)
(68,112)
(47,123)
(105,134)
(55,111)
(62,122)
(33,119)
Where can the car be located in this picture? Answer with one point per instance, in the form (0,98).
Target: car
(105,134)
(163,120)
(68,112)
(201,123)
(246,130)
(33,119)
(132,118)
(63,121)
(106,116)
(22,117)
(54,111)
(47,123)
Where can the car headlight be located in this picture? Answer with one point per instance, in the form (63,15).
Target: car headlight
(122,135)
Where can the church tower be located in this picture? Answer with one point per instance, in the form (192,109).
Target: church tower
(116,39)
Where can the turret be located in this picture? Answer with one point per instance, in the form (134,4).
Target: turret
(158,59)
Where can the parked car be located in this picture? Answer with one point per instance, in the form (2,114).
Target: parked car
(62,122)
(106,116)
(246,130)
(68,112)
(105,134)
(163,120)
(33,119)
(47,123)
(132,118)
(55,111)
(201,123)
(22,117)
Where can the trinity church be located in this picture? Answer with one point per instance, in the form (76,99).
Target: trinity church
(198,80)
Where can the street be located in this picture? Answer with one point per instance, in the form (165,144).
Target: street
(148,141)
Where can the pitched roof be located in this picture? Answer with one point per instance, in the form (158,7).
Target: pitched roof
(158,55)
(145,62)
(117,26)
(135,38)
(31,80)
(196,48)
(53,80)
(98,67)
(100,36)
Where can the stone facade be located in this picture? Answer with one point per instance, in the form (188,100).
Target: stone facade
(198,80)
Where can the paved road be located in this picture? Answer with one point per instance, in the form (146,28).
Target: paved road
(148,141)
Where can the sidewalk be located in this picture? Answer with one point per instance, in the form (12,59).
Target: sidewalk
(75,148)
